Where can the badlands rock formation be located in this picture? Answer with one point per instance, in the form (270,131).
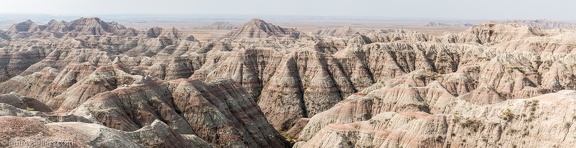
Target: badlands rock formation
(219,26)
(32,132)
(338,32)
(257,28)
(441,24)
(546,24)
(91,83)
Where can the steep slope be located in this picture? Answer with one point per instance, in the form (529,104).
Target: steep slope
(442,24)
(104,78)
(75,134)
(225,108)
(545,24)
(3,37)
(95,26)
(89,26)
(23,102)
(491,33)
(75,28)
(188,107)
(220,26)
(305,84)
(23,29)
(56,26)
(337,32)
(257,28)
(14,63)
(483,77)
(33,85)
(155,32)
(335,88)
(312,78)
(516,123)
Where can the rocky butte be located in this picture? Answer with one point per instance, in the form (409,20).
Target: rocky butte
(92,83)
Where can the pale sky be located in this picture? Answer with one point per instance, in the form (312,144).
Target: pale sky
(443,9)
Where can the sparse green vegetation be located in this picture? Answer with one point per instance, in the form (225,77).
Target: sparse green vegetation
(511,69)
(513,131)
(533,105)
(473,124)
(427,75)
(507,115)
(456,118)
(288,138)
(484,138)
(94,81)
(439,139)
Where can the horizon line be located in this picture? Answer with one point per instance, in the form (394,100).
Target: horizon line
(266,16)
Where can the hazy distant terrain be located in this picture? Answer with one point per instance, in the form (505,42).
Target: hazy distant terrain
(201,23)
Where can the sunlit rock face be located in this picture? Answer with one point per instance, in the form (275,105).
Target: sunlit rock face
(91,83)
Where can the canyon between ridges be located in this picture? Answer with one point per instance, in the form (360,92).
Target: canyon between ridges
(92,83)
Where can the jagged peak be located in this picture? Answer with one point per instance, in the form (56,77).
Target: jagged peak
(117,61)
(154,32)
(510,28)
(25,26)
(89,19)
(52,21)
(257,28)
(190,38)
(494,24)
(258,23)
(3,36)
(359,39)
(492,32)
(81,22)
(27,22)
(256,20)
